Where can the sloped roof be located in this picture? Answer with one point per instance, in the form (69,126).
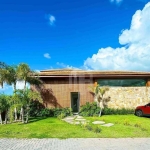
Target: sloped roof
(94,73)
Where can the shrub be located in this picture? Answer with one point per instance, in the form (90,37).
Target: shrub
(89,109)
(113,111)
(138,124)
(66,111)
(89,127)
(126,122)
(97,129)
(38,109)
(61,116)
(44,112)
(35,108)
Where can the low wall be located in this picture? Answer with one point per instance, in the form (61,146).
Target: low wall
(127,97)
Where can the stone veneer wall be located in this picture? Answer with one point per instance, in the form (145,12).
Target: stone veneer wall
(127,97)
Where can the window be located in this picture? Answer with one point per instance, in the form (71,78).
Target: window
(122,82)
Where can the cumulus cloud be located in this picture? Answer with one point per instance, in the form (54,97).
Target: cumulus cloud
(135,52)
(46,55)
(116,1)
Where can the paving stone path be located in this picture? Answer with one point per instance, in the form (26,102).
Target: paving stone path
(76,144)
(79,119)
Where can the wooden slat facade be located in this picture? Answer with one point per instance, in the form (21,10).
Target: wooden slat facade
(62,88)
(63,82)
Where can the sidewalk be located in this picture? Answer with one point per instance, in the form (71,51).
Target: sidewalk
(76,144)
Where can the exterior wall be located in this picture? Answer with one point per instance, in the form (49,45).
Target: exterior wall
(116,97)
(62,88)
(127,97)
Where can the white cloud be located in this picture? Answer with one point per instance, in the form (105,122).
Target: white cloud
(62,65)
(135,53)
(51,19)
(116,1)
(20,85)
(46,55)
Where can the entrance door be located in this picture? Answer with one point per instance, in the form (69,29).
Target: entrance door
(75,101)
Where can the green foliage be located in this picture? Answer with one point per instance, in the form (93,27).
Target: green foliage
(38,109)
(137,124)
(4,102)
(89,109)
(35,108)
(126,122)
(61,116)
(89,127)
(66,111)
(97,129)
(113,111)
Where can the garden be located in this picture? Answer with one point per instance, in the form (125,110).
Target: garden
(23,115)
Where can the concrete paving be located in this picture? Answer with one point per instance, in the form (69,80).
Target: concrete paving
(76,144)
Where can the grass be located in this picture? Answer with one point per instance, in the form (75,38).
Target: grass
(125,126)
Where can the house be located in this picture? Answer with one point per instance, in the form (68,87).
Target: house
(70,88)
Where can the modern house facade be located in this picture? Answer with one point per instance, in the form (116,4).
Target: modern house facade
(70,88)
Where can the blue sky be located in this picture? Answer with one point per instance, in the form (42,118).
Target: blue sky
(85,34)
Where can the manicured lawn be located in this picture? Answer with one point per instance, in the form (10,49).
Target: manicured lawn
(125,126)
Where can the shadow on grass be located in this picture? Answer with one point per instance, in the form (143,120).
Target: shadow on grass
(34,119)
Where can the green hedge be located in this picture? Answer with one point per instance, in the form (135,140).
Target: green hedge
(38,110)
(91,109)
(113,111)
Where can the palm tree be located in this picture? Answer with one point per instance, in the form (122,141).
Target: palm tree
(25,74)
(3,72)
(26,97)
(102,91)
(99,95)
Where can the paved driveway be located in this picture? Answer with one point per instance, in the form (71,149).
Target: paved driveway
(76,144)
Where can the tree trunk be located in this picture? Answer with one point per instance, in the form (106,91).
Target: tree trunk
(6,117)
(101,107)
(1,122)
(25,82)
(22,115)
(100,113)
(15,113)
(27,114)
(27,117)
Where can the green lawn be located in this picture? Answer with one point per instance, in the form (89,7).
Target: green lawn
(125,126)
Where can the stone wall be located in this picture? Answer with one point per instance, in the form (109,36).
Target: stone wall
(127,97)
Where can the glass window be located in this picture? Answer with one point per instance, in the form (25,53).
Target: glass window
(121,82)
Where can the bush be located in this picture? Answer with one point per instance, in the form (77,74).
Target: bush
(58,111)
(35,108)
(89,109)
(97,129)
(113,111)
(61,116)
(38,109)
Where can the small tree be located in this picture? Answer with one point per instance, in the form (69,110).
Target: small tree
(102,91)
(99,95)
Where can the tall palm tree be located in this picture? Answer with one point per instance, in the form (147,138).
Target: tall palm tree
(3,72)
(25,74)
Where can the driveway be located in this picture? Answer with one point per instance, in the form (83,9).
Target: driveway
(76,144)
